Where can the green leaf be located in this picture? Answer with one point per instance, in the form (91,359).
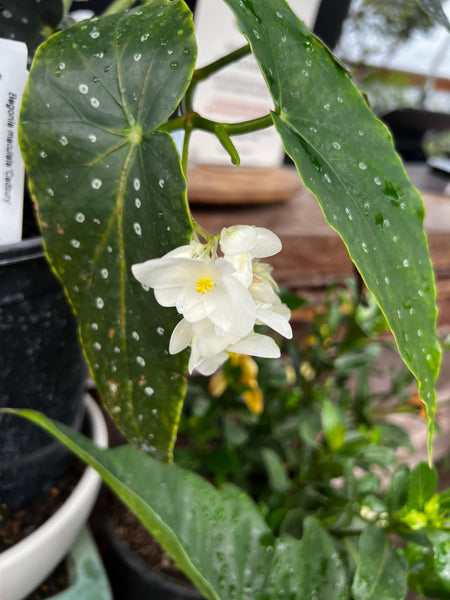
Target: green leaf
(440,541)
(436,12)
(397,493)
(332,425)
(278,477)
(111,193)
(217,537)
(318,567)
(421,486)
(346,157)
(381,572)
(422,578)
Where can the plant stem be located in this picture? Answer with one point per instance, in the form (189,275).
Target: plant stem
(117,6)
(223,61)
(223,131)
(184,159)
(67,4)
(208,70)
(195,121)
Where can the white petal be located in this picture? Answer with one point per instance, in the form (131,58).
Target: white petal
(243,266)
(231,307)
(238,239)
(263,293)
(181,337)
(267,243)
(169,272)
(191,304)
(167,297)
(275,321)
(187,251)
(256,344)
(209,343)
(208,365)
(195,358)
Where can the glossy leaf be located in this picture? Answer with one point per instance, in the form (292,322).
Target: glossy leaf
(111,192)
(397,493)
(346,157)
(381,572)
(217,537)
(436,12)
(441,556)
(421,486)
(30,21)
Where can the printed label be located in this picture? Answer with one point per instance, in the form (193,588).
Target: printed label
(13,76)
(237,92)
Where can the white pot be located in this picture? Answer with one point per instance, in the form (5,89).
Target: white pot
(26,564)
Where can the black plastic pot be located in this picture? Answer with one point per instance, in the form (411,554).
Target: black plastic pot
(41,367)
(132,579)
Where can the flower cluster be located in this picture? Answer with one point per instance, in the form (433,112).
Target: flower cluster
(221,297)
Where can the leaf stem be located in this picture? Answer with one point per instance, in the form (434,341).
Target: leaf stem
(222,130)
(208,70)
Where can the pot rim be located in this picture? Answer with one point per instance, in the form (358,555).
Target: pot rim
(26,249)
(27,563)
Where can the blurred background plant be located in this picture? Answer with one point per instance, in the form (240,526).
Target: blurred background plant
(309,435)
(321,419)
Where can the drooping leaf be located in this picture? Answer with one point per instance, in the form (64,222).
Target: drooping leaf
(217,537)
(346,157)
(381,572)
(30,21)
(111,192)
(436,12)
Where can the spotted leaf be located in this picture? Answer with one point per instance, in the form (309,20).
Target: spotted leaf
(346,157)
(111,192)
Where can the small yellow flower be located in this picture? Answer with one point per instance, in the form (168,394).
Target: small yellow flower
(248,377)
(306,371)
(254,399)
(217,384)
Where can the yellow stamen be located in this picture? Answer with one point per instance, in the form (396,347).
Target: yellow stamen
(203,285)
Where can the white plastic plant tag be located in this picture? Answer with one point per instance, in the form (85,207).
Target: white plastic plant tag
(13,76)
(237,92)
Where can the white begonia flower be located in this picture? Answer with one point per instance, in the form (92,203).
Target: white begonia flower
(270,310)
(256,241)
(199,289)
(221,299)
(210,350)
(241,244)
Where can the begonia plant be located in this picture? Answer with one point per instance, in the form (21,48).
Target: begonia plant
(109,185)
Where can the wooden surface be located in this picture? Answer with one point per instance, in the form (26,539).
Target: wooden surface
(209,184)
(313,255)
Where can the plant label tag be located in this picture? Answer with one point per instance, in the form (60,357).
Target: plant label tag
(13,76)
(237,92)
